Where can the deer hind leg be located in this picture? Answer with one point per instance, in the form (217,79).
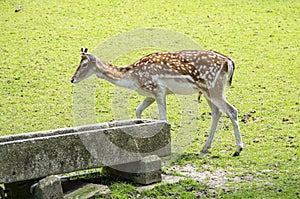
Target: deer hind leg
(232,113)
(216,114)
(145,104)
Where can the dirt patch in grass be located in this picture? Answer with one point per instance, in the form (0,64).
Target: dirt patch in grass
(215,179)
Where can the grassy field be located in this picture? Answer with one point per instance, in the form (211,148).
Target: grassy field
(40,48)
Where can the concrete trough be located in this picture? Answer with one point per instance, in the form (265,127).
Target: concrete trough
(36,155)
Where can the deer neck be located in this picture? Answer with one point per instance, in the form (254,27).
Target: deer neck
(116,75)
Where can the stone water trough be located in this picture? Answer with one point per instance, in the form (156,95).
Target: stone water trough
(130,149)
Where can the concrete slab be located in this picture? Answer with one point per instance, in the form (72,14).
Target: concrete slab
(146,171)
(89,191)
(48,188)
(40,154)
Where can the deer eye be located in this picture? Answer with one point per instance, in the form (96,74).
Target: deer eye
(84,65)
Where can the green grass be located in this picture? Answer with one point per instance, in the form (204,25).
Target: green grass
(40,51)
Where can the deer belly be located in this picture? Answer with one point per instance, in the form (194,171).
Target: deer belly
(179,85)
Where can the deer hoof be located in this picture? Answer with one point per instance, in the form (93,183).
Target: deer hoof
(204,153)
(237,153)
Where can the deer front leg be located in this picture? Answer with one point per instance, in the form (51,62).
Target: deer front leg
(199,97)
(145,104)
(161,104)
(216,114)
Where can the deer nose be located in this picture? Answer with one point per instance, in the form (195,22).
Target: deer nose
(72,80)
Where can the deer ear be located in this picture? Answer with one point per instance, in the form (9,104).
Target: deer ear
(83,51)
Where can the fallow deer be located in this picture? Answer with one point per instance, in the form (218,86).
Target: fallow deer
(159,74)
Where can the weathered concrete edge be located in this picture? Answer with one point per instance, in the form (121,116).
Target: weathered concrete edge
(76,129)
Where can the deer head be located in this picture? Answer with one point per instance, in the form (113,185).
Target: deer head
(86,68)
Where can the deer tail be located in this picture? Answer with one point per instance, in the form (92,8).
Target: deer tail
(231,71)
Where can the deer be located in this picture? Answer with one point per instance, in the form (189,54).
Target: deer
(185,72)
